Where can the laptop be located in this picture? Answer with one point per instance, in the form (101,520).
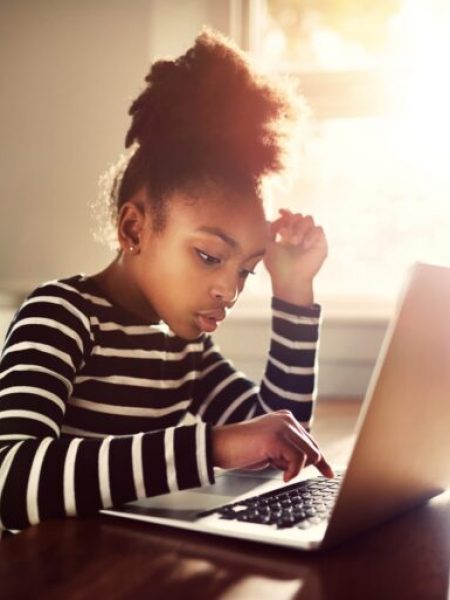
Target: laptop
(399,459)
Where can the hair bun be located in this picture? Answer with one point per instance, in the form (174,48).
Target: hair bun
(209,108)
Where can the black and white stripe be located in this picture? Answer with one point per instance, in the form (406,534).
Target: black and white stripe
(94,403)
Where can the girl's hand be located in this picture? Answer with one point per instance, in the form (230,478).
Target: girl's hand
(295,253)
(276,439)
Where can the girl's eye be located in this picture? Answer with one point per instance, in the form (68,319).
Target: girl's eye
(207,258)
(245,273)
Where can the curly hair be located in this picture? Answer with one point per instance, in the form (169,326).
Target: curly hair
(205,116)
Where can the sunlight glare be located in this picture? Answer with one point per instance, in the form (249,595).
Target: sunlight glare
(421,96)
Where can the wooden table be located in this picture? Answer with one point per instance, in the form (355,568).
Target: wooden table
(104,557)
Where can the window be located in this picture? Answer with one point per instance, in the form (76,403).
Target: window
(374,168)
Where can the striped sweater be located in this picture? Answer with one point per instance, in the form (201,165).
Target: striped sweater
(98,408)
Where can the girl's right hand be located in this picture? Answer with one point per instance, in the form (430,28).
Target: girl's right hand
(276,439)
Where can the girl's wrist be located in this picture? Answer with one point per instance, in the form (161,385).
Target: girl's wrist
(300,293)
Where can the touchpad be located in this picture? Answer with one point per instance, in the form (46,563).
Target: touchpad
(186,504)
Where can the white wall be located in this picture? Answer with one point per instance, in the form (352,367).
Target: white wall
(69,70)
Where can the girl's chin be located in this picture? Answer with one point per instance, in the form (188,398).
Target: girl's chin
(195,327)
(186,331)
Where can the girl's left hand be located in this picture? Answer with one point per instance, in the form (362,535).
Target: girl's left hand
(294,255)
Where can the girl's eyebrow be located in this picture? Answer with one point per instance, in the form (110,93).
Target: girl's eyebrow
(218,232)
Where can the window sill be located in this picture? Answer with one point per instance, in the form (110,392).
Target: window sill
(352,310)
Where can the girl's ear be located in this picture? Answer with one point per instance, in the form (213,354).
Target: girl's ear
(130,225)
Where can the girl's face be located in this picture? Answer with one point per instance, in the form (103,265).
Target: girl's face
(193,271)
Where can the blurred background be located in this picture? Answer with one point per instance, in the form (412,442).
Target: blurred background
(373,161)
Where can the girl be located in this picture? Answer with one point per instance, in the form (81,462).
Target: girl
(111,388)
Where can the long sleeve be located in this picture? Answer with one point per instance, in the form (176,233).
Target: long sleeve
(44,473)
(227,396)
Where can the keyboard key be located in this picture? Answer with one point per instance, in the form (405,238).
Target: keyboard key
(301,504)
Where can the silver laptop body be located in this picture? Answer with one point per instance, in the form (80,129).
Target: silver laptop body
(400,457)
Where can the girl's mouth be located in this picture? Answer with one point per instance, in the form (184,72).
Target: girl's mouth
(209,321)
(206,324)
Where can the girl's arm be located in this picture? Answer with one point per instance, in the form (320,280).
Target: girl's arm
(295,253)
(44,474)
(255,427)
(226,395)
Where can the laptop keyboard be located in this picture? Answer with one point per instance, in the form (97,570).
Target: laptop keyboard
(301,504)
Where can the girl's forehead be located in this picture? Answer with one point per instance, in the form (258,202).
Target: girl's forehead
(244,215)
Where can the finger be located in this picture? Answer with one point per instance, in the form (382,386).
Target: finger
(275,227)
(302,464)
(289,418)
(287,458)
(292,471)
(294,462)
(285,234)
(289,469)
(297,429)
(279,463)
(325,468)
(258,465)
(295,229)
(320,463)
(303,445)
(311,438)
(285,212)
(286,225)
(302,226)
(294,468)
(314,237)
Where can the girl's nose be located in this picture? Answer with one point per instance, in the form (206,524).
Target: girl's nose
(226,292)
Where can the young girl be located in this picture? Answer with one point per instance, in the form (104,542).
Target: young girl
(111,388)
